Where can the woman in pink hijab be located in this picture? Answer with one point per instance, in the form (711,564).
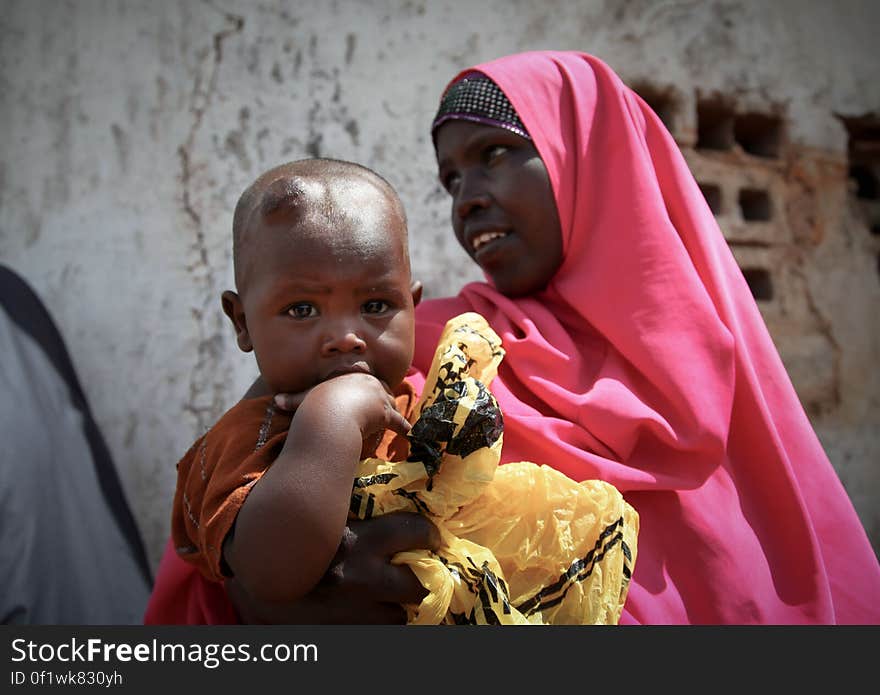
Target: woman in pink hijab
(635,351)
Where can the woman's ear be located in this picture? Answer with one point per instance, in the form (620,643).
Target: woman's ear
(234,309)
(416,289)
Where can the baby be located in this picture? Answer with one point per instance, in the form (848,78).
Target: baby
(325,300)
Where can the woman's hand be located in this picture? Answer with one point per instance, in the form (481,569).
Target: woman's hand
(361,586)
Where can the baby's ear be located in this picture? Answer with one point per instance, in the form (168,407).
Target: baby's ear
(416,289)
(234,309)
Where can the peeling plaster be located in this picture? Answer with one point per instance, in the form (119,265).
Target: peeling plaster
(204,90)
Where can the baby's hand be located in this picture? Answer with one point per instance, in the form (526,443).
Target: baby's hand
(290,401)
(367,402)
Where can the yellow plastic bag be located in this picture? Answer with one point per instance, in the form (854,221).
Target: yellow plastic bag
(521,543)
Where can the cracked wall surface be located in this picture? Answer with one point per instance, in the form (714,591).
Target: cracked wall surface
(131,127)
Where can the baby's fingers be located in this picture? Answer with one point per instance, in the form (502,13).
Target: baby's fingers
(289,401)
(396,422)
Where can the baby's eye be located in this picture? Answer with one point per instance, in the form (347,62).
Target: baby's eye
(376,306)
(303,310)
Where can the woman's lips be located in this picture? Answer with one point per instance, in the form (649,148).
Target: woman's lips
(480,239)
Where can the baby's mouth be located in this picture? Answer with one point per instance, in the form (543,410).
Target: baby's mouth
(359,367)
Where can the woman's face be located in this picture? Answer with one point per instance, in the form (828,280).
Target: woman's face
(503,210)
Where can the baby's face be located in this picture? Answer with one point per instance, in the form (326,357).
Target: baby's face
(326,297)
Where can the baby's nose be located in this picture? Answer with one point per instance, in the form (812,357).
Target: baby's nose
(344,341)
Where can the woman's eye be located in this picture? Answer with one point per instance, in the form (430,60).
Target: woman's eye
(375,306)
(302,311)
(449,182)
(495,151)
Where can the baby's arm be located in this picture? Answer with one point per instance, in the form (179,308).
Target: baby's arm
(361,584)
(290,526)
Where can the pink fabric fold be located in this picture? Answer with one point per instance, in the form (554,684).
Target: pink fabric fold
(646,363)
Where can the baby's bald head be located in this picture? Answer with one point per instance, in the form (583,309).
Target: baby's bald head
(324,193)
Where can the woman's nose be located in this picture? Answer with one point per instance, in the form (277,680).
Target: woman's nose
(343,341)
(472,194)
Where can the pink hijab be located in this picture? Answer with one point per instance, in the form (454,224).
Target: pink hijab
(646,363)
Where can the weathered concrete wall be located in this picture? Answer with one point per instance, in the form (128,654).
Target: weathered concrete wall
(130,128)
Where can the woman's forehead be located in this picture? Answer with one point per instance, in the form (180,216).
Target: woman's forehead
(457,137)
